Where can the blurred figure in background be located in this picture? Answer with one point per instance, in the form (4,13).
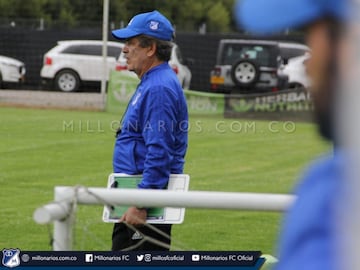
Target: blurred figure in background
(310,236)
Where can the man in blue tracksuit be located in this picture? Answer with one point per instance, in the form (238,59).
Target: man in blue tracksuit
(153,136)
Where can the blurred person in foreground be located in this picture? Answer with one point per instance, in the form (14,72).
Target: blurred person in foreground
(152,140)
(310,235)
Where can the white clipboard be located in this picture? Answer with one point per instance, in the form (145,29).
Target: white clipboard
(167,215)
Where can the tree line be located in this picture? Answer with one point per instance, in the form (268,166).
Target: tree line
(186,15)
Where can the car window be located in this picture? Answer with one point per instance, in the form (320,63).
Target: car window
(95,50)
(114,51)
(83,49)
(264,55)
(73,49)
(287,53)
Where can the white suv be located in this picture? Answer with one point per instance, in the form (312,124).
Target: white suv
(12,71)
(176,62)
(74,62)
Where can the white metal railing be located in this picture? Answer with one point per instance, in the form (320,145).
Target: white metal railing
(61,211)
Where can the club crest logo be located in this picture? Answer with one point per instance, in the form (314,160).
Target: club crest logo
(154,25)
(11,257)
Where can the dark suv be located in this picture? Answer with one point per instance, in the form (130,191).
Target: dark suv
(250,66)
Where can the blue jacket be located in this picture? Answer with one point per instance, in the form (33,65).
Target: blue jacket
(309,238)
(153,138)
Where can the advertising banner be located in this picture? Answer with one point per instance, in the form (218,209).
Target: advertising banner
(294,104)
(122,85)
(204,103)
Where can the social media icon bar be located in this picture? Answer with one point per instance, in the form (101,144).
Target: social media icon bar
(14,257)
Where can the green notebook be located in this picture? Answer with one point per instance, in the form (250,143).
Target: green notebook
(131,182)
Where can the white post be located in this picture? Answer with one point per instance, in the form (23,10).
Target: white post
(63,237)
(42,25)
(104,48)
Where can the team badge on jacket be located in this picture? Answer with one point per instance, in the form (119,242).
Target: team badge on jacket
(11,257)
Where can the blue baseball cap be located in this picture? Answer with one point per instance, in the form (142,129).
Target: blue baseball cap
(152,24)
(270,16)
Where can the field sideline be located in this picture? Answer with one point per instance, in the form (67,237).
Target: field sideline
(40,149)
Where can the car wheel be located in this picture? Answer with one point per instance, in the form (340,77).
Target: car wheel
(244,73)
(67,81)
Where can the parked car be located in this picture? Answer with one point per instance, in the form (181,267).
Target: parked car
(74,62)
(289,50)
(12,72)
(295,69)
(176,62)
(252,66)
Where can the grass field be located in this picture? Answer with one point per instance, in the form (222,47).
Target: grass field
(40,149)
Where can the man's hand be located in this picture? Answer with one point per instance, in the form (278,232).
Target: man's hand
(134,216)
